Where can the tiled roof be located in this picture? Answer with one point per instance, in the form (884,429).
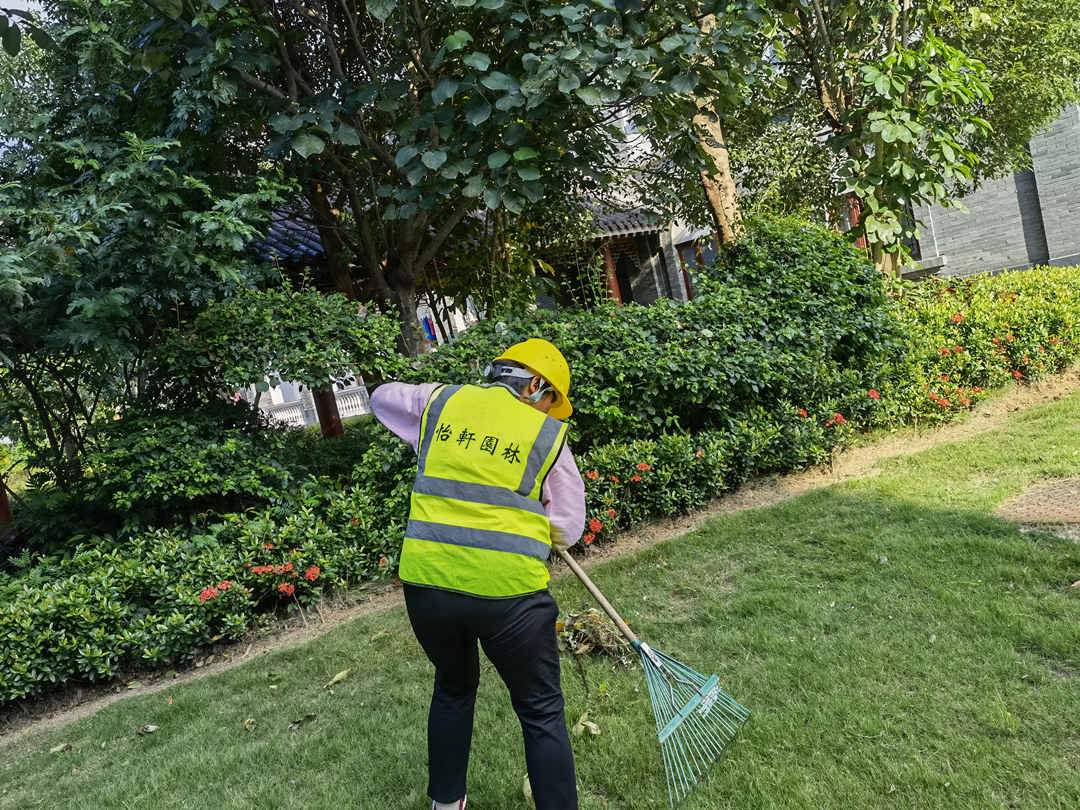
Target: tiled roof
(290,238)
(626,223)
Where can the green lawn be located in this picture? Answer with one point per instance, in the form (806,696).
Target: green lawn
(899,647)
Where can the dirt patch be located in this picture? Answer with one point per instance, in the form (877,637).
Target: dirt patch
(75,702)
(1050,501)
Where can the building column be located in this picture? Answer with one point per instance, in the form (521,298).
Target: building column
(609,274)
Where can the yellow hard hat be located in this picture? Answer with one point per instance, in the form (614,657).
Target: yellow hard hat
(541,357)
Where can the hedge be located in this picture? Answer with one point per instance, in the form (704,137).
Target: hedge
(794,346)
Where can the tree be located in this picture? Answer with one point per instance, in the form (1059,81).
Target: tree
(900,104)
(400,118)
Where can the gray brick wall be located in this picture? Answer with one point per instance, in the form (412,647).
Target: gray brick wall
(1032,217)
(1056,155)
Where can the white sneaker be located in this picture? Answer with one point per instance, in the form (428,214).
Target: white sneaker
(458,805)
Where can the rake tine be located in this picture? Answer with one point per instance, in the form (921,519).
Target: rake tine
(695,718)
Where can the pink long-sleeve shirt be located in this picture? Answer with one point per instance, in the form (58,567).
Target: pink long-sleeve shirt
(399,406)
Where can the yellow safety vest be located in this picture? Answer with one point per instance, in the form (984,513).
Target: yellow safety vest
(476,523)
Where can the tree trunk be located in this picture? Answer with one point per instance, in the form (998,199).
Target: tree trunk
(886,261)
(337,256)
(329,416)
(5,506)
(719,184)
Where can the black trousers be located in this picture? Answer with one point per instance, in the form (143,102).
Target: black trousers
(518,636)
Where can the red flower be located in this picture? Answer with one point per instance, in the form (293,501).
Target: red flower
(643,466)
(635,478)
(957,349)
(589,538)
(287,567)
(615,478)
(595,525)
(592,475)
(803,413)
(945,377)
(262,569)
(1010,337)
(965,401)
(1025,360)
(1017,373)
(873,393)
(1054,341)
(611,513)
(208,593)
(957,318)
(994,340)
(268,545)
(224,585)
(286,588)
(699,454)
(976,389)
(830,422)
(945,351)
(840,420)
(382,562)
(944,403)
(312,573)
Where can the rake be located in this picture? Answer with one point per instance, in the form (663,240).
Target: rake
(695,718)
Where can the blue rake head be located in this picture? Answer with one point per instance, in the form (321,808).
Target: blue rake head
(695,718)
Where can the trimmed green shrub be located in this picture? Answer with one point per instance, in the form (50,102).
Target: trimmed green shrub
(794,345)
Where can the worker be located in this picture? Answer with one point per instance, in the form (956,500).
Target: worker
(496,487)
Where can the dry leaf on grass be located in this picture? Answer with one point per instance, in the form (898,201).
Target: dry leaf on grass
(585,724)
(526,790)
(149,728)
(590,630)
(338,678)
(249,724)
(295,724)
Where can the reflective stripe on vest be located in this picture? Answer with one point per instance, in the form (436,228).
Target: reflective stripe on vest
(476,522)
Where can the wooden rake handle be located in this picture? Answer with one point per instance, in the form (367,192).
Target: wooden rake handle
(624,628)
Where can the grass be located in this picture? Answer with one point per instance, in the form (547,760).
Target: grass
(898,645)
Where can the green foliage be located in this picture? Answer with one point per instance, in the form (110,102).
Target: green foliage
(161,467)
(969,336)
(261,337)
(793,314)
(792,347)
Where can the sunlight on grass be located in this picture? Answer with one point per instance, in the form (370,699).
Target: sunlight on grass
(897,645)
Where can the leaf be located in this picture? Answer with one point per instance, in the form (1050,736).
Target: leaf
(305,144)
(477,112)
(585,724)
(474,187)
(528,173)
(62,747)
(457,40)
(12,40)
(381,9)
(525,153)
(684,83)
(249,724)
(338,678)
(443,90)
(404,155)
(434,159)
(134,684)
(149,728)
(497,160)
(348,136)
(478,60)
(496,80)
(568,84)
(590,95)
(671,43)
(492,198)
(492,4)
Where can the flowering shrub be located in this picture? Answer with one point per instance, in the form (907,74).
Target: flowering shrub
(793,346)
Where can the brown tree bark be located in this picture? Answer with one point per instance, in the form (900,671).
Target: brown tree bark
(719,184)
(327,410)
(5,505)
